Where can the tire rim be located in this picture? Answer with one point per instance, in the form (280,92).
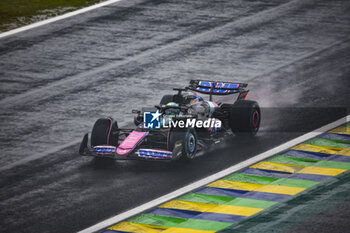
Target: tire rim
(191,143)
(255,120)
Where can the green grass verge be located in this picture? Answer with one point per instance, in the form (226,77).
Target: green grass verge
(17,13)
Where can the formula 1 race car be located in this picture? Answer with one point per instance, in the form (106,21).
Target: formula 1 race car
(180,126)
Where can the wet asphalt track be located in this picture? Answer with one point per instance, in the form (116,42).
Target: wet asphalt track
(56,80)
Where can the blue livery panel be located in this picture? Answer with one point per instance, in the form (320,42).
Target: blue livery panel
(218,85)
(215,91)
(155,154)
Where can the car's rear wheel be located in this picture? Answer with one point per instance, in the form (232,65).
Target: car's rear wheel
(187,138)
(245,117)
(105,132)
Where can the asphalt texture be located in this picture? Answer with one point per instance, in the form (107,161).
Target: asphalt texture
(56,80)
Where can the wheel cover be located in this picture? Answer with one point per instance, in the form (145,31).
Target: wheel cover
(191,143)
(255,119)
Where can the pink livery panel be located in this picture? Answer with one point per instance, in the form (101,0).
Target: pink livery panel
(130,142)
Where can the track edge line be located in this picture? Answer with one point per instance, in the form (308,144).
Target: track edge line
(57,18)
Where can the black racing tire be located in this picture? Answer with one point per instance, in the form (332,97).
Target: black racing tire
(166,99)
(245,117)
(105,132)
(188,139)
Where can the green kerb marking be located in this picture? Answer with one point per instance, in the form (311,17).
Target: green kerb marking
(219,200)
(292,160)
(250,178)
(333,164)
(246,202)
(326,142)
(204,198)
(204,225)
(167,222)
(309,162)
(347,142)
(155,220)
(295,183)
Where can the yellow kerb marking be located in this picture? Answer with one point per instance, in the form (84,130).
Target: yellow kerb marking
(276,167)
(186,205)
(280,189)
(312,148)
(227,184)
(134,227)
(235,210)
(184,230)
(341,130)
(322,171)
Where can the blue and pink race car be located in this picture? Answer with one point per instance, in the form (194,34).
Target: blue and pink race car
(182,124)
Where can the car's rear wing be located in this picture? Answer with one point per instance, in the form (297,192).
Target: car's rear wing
(218,87)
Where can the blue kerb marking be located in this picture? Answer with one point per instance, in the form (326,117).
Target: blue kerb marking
(267,196)
(334,136)
(221,192)
(195,215)
(305,155)
(242,193)
(312,177)
(176,213)
(220,217)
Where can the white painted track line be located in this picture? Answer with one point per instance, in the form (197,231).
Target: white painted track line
(57,18)
(214,177)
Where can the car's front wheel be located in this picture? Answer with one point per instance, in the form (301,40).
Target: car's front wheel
(187,139)
(105,132)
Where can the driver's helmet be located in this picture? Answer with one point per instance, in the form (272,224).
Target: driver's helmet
(195,99)
(172,111)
